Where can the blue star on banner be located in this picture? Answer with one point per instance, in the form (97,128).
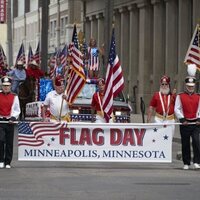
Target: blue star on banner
(155,129)
(165,137)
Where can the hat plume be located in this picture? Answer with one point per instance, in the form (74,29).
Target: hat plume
(191,69)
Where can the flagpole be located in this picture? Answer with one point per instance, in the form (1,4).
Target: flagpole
(63,98)
(198,29)
(65,78)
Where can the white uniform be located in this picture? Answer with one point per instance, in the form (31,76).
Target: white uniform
(54,101)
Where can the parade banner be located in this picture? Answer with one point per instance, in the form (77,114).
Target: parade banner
(43,141)
(2,11)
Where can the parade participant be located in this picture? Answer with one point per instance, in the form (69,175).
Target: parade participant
(3,70)
(97,99)
(93,58)
(162,103)
(33,71)
(187,110)
(54,100)
(18,75)
(97,103)
(9,112)
(59,70)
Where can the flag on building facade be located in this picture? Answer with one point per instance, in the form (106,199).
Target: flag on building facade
(37,54)
(30,55)
(21,55)
(31,133)
(114,80)
(193,53)
(77,77)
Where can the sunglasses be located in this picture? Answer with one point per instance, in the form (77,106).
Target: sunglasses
(164,84)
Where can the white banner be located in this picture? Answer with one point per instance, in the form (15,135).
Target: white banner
(39,141)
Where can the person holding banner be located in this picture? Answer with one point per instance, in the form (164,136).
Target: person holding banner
(97,99)
(162,103)
(9,112)
(54,100)
(187,110)
(96,104)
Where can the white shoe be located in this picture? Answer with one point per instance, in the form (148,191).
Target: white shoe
(196,166)
(186,167)
(1,165)
(8,166)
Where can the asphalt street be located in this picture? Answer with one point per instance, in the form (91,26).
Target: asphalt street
(99,181)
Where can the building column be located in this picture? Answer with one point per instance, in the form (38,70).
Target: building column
(100,29)
(124,55)
(133,54)
(39,25)
(158,43)
(145,51)
(171,55)
(93,27)
(196,13)
(117,25)
(87,29)
(100,43)
(58,25)
(184,38)
(71,13)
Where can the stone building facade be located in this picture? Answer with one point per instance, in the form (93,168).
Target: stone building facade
(152,38)
(27,22)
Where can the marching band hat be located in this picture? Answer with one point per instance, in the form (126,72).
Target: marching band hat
(5,80)
(165,79)
(59,81)
(190,81)
(101,81)
(34,63)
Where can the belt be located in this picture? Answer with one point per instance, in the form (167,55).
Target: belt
(168,117)
(63,118)
(4,119)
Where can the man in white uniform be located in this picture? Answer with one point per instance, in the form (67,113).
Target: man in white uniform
(55,100)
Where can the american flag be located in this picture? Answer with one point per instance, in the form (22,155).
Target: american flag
(63,56)
(93,61)
(37,54)
(30,55)
(77,77)
(3,59)
(33,133)
(114,80)
(73,43)
(52,64)
(21,55)
(193,53)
